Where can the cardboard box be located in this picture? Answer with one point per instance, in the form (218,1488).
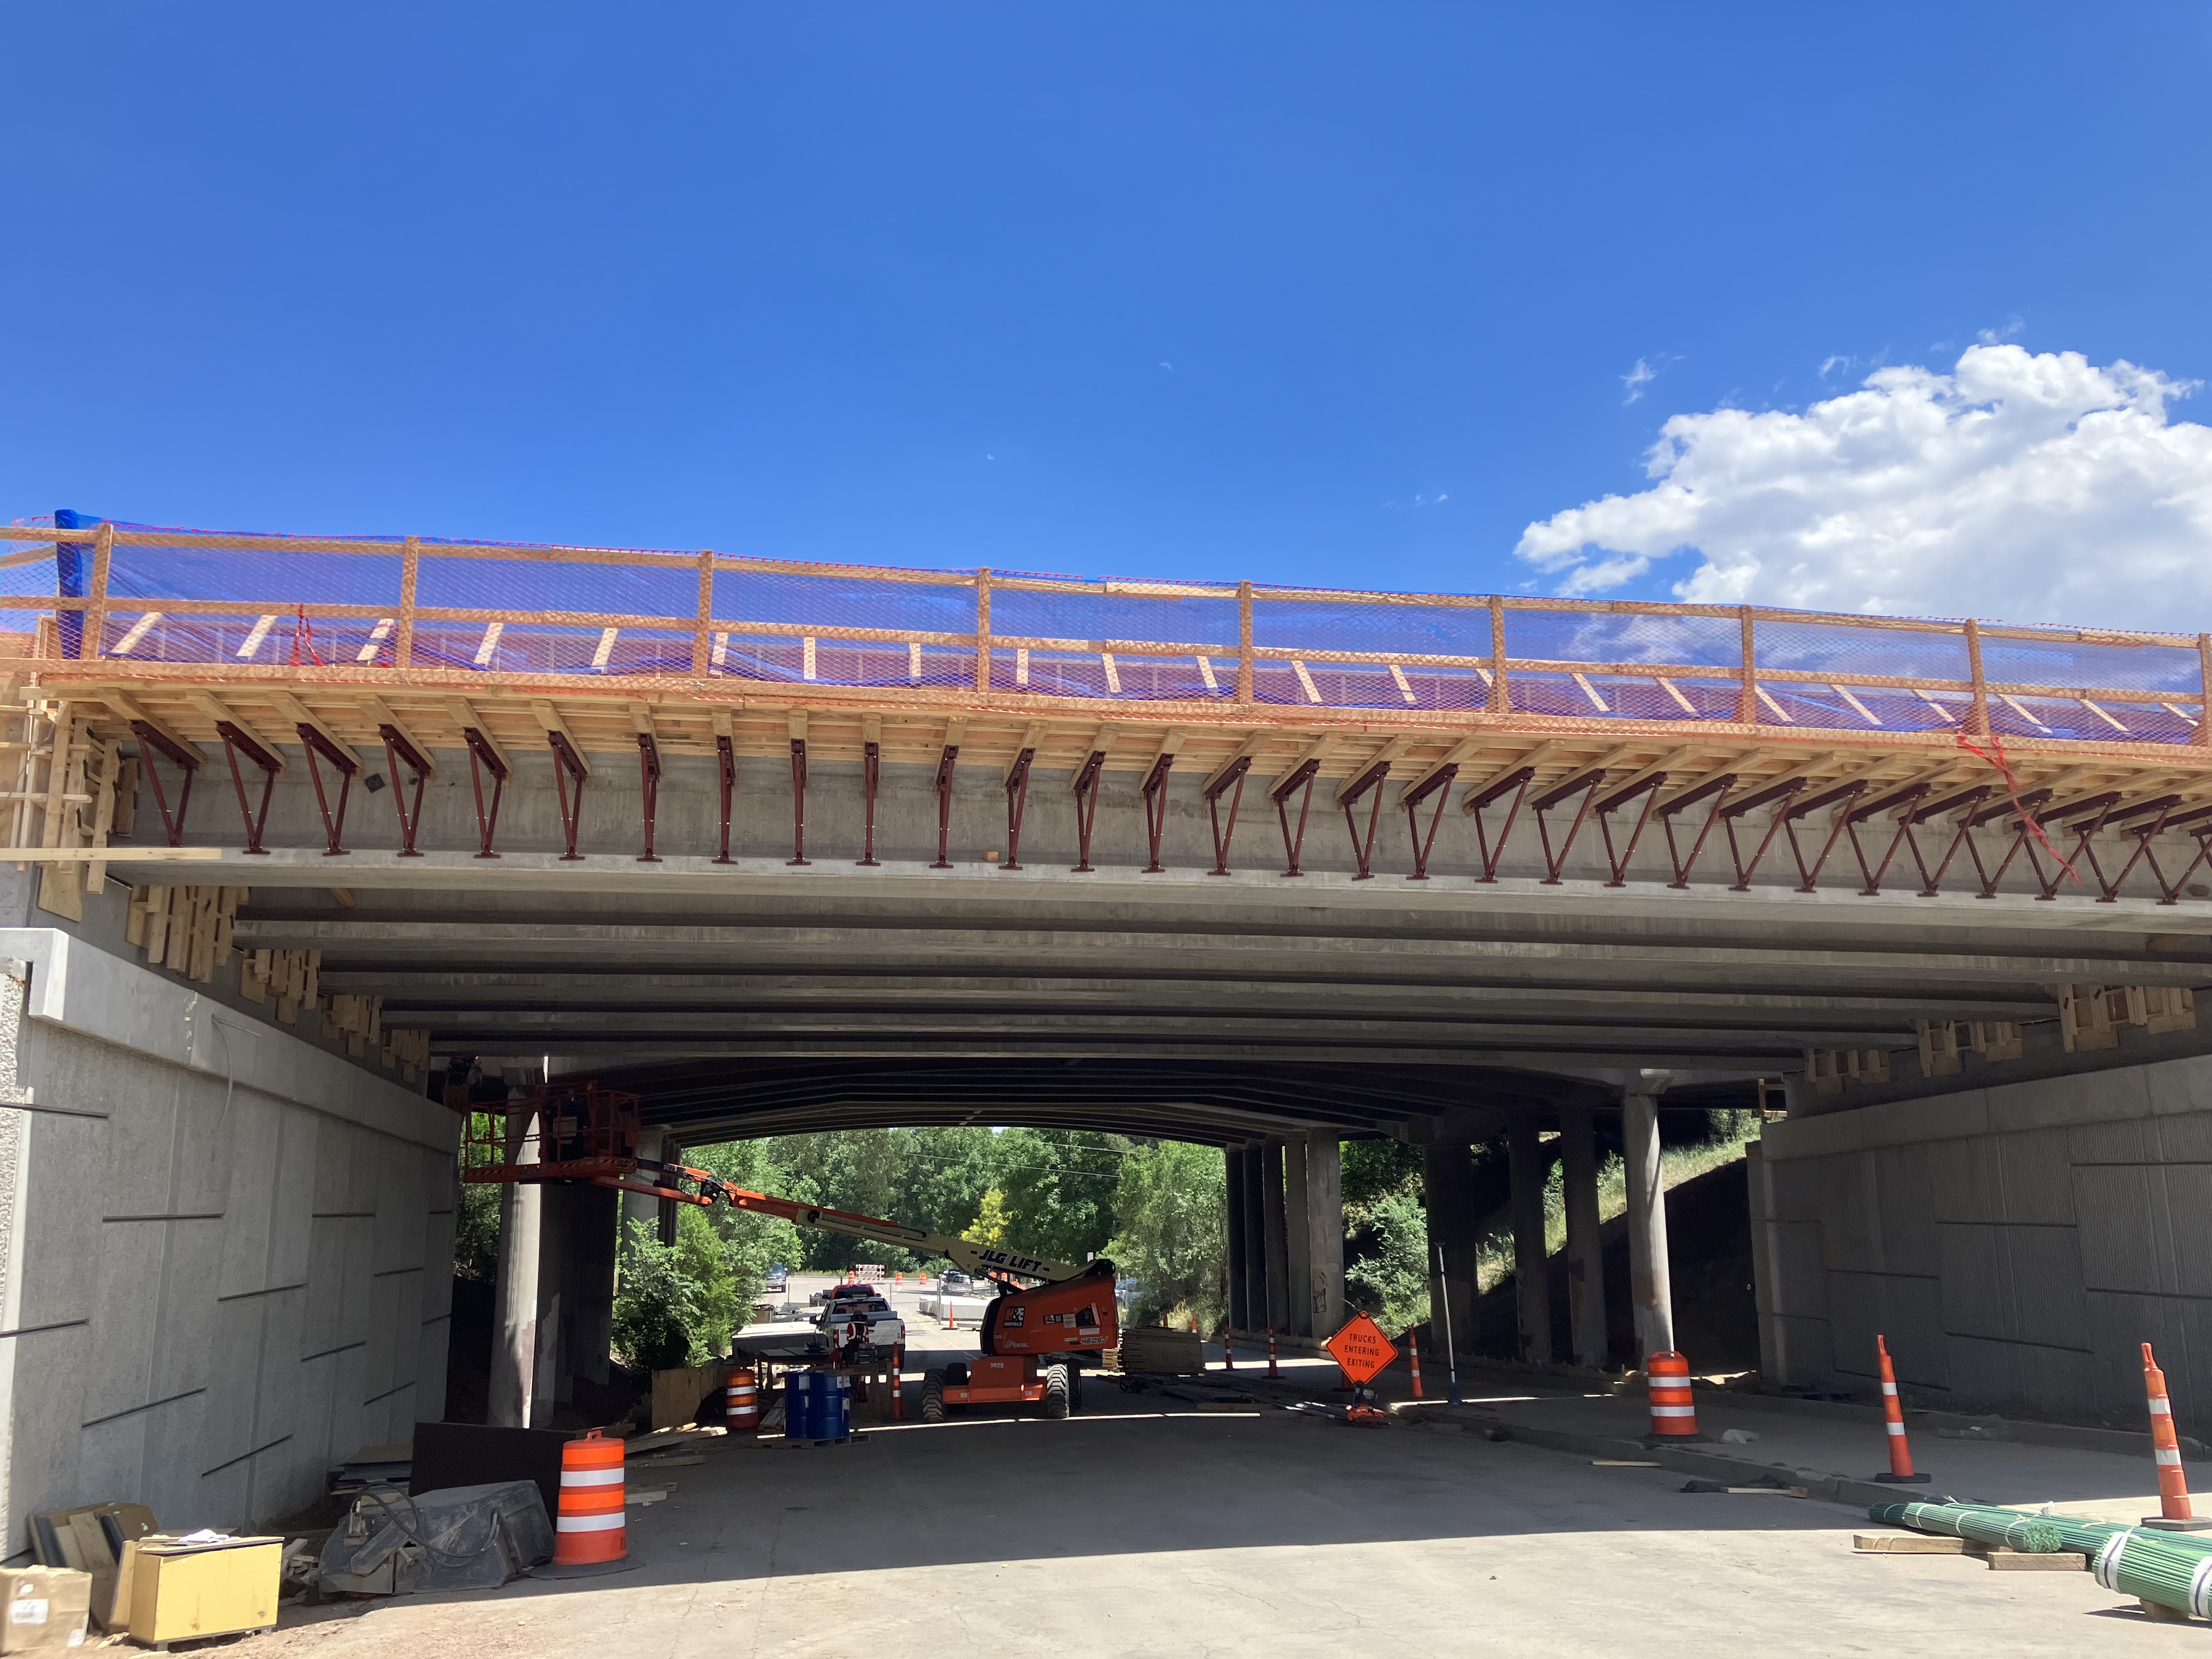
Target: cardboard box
(90,1538)
(43,1609)
(178,1591)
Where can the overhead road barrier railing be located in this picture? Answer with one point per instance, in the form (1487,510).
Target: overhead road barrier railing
(427,610)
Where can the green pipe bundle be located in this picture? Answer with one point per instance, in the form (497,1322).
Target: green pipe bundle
(2173,1568)
(2032,1534)
(2156,1566)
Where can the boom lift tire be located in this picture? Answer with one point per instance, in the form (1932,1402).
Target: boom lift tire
(933,1397)
(1055,1391)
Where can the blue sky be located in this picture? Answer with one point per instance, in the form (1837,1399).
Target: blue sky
(1341,294)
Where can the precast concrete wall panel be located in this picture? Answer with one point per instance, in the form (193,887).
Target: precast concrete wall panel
(2014,1244)
(232,1260)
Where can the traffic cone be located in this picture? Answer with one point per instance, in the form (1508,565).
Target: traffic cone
(741,1403)
(2174,1514)
(1414,1350)
(1892,1416)
(1272,1372)
(1672,1415)
(589,1534)
(1228,1354)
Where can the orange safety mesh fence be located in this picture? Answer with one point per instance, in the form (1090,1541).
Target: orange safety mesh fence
(200,598)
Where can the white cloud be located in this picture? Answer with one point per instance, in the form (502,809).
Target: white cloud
(2026,486)
(1638,378)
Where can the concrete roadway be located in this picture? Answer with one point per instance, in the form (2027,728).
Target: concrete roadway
(1136,1531)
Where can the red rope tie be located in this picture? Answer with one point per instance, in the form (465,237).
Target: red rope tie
(2012,788)
(304,631)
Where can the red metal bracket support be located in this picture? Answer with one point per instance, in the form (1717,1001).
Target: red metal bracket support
(725,764)
(569,769)
(348,768)
(149,741)
(2020,810)
(1156,811)
(1234,776)
(1086,807)
(1842,797)
(396,750)
(648,788)
(1931,881)
(234,739)
(1018,801)
(1713,789)
(1438,783)
(798,803)
(1516,784)
(483,758)
(946,762)
(1362,851)
(1280,794)
(1780,796)
(1618,862)
(1587,784)
(871,768)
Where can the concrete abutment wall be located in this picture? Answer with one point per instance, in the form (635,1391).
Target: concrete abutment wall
(2015,1244)
(228,1252)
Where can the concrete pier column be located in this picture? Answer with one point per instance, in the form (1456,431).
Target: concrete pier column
(592,1285)
(1232,1158)
(557,1274)
(514,1347)
(643,1206)
(1256,1239)
(1650,1293)
(1447,1177)
(1325,1231)
(1274,1232)
(1585,1255)
(1298,1236)
(1532,1277)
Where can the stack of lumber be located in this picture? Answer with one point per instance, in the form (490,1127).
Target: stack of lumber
(1161,1352)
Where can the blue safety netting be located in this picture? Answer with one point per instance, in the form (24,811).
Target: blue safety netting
(513,608)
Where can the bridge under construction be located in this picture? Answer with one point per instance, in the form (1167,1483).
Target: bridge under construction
(781,847)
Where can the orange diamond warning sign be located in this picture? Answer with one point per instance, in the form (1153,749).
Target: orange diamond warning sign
(1361,1349)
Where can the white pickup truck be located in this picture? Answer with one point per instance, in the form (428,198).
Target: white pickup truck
(865,1324)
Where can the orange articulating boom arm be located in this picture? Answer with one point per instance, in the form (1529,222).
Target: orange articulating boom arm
(979,1258)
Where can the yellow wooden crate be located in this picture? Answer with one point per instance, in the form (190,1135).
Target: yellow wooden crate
(178,1591)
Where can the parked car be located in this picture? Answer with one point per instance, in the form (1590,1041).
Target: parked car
(954,1280)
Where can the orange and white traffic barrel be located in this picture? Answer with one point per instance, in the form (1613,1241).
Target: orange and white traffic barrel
(589,1534)
(1892,1419)
(1672,1415)
(741,1403)
(2173,1484)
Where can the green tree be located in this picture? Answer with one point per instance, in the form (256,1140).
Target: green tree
(1059,1189)
(1389,1271)
(989,1226)
(656,1303)
(476,1220)
(1170,1229)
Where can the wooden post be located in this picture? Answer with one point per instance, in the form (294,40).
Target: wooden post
(2203,737)
(1746,702)
(403,648)
(1500,703)
(702,630)
(96,618)
(983,630)
(1980,720)
(1244,643)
